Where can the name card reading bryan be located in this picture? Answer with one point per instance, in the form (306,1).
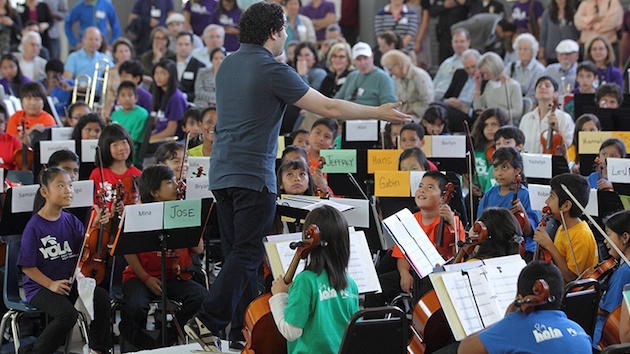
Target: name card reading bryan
(47,148)
(339,161)
(198,188)
(449,146)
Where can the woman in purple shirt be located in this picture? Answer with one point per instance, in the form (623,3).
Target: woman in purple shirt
(600,52)
(12,78)
(199,14)
(168,103)
(228,15)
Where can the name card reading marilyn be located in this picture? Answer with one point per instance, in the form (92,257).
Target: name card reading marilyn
(382,160)
(391,183)
(193,166)
(538,194)
(198,188)
(415,177)
(339,161)
(182,213)
(143,217)
(88,150)
(362,130)
(537,165)
(61,133)
(49,147)
(23,198)
(281,146)
(618,170)
(83,194)
(448,146)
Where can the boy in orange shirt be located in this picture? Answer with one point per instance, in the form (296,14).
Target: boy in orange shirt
(35,118)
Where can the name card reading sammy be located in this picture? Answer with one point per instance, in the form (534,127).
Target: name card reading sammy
(49,147)
(143,217)
(537,165)
(618,170)
(88,150)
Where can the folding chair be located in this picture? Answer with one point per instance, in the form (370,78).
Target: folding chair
(376,330)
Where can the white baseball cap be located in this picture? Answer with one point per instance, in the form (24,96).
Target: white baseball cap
(567,46)
(361,48)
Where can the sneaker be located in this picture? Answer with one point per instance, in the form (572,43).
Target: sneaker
(216,268)
(200,333)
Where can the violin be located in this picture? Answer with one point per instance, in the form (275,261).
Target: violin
(259,328)
(540,297)
(320,164)
(446,231)
(550,139)
(601,271)
(477,235)
(93,261)
(24,157)
(199,172)
(520,216)
(541,253)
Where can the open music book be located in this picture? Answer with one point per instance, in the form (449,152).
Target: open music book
(476,294)
(414,242)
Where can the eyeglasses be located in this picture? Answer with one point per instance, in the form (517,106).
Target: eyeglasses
(335,56)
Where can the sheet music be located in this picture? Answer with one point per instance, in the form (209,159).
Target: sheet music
(503,273)
(310,203)
(286,256)
(463,290)
(414,242)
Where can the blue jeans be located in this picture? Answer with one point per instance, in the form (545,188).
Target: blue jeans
(245,217)
(55,48)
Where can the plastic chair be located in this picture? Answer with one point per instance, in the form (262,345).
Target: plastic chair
(617,349)
(376,330)
(581,302)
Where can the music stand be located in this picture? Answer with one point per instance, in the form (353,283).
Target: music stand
(341,185)
(160,240)
(559,166)
(361,144)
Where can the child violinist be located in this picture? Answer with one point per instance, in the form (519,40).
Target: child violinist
(323,297)
(51,244)
(611,147)
(506,166)
(486,125)
(142,278)
(573,249)
(89,126)
(618,229)
(413,159)
(585,123)
(171,154)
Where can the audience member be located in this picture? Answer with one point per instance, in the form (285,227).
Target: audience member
(601,53)
(306,65)
(586,76)
(92,13)
(123,51)
(460,95)
(599,20)
(213,37)
(299,27)
(444,75)
(187,66)
(84,60)
(339,64)
(31,64)
(160,42)
(396,17)
(59,11)
(322,14)
(527,15)
(564,71)
(449,12)
(39,12)
(10,27)
(198,15)
(205,88)
(527,69)
(500,91)
(57,87)
(175,23)
(557,27)
(482,29)
(228,15)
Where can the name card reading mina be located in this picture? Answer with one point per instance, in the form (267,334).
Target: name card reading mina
(143,217)
(47,148)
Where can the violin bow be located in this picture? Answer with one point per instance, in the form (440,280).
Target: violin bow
(590,218)
(181,170)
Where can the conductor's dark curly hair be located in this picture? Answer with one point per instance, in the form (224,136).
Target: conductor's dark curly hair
(259,21)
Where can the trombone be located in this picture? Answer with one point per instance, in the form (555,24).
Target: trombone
(82,85)
(101,65)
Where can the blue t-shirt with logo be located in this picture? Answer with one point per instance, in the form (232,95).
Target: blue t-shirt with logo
(52,247)
(543,331)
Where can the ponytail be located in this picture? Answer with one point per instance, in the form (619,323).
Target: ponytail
(45,176)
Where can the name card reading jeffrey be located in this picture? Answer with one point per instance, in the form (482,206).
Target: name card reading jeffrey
(88,150)
(182,213)
(23,198)
(49,147)
(618,170)
(382,160)
(537,165)
(143,217)
(339,161)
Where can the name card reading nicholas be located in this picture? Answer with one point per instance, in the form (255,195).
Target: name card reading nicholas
(88,150)
(49,147)
(453,146)
(391,183)
(193,165)
(339,161)
(83,194)
(618,170)
(23,198)
(143,217)
(182,213)
(382,160)
(537,165)
(198,188)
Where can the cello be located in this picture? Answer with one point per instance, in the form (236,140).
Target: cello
(259,328)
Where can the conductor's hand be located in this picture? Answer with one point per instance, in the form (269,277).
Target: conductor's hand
(61,287)
(406,282)
(279,286)
(155,285)
(389,112)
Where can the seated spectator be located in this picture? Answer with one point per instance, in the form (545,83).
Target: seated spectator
(506,30)
(160,42)
(483,30)
(228,15)
(152,13)
(339,64)
(57,87)
(333,36)
(386,41)
(213,37)
(444,75)
(600,52)
(131,70)
(299,27)
(586,76)
(500,91)
(175,25)
(564,71)
(123,51)
(527,69)
(608,96)
(198,15)
(187,66)
(414,87)
(396,17)
(33,96)
(31,64)
(84,60)
(599,20)
(92,13)
(527,16)
(460,95)
(33,26)
(205,88)
(306,64)
(557,26)
(322,14)
(12,78)
(168,103)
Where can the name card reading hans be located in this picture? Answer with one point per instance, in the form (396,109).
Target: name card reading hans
(198,188)
(537,165)
(382,160)
(391,184)
(182,213)
(143,217)
(88,150)
(47,148)
(83,194)
(193,166)
(61,133)
(23,198)
(448,146)
(339,161)
(618,170)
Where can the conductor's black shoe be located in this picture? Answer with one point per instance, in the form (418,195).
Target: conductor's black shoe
(202,335)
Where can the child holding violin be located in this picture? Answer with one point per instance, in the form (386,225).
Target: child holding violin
(51,245)
(573,249)
(32,116)
(546,329)
(618,230)
(142,278)
(503,235)
(171,154)
(507,165)
(585,123)
(611,147)
(486,125)
(313,311)
(9,144)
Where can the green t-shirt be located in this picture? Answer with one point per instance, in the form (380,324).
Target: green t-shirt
(197,151)
(133,121)
(320,311)
(484,171)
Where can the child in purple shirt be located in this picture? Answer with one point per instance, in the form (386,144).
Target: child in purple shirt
(168,103)
(521,13)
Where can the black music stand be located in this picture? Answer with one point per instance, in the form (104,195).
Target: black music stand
(341,185)
(160,240)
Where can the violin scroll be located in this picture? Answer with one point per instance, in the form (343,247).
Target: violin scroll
(540,297)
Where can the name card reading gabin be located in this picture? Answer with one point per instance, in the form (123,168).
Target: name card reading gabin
(391,184)
(339,161)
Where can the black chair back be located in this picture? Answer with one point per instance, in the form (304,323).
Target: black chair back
(376,330)
(581,302)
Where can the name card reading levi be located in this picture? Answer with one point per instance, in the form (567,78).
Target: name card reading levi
(88,150)
(280,147)
(448,146)
(391,183)
(198,188)
(362,130)
(618,170)
(383,160)
(83,194)
(143,217)
(537,165)
(193,165)
(415,177)
(339,161)
(49,147)
(182,213)
(23,198)
(61,133)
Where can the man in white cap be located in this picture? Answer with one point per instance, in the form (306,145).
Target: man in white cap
(567,52)
(368,85)
(175,24)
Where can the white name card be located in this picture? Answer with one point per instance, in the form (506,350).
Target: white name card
(143,217)
(198,188)
(618,170)
(415,177)
(448,146)
(592,208)
(362,130)
(193,166)
(538,194)
(47,148)
(88,150)
(83,194)
(537,165)
(23,198)
(61,133)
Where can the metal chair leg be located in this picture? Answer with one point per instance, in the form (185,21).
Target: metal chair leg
(3,324)
(15,329)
